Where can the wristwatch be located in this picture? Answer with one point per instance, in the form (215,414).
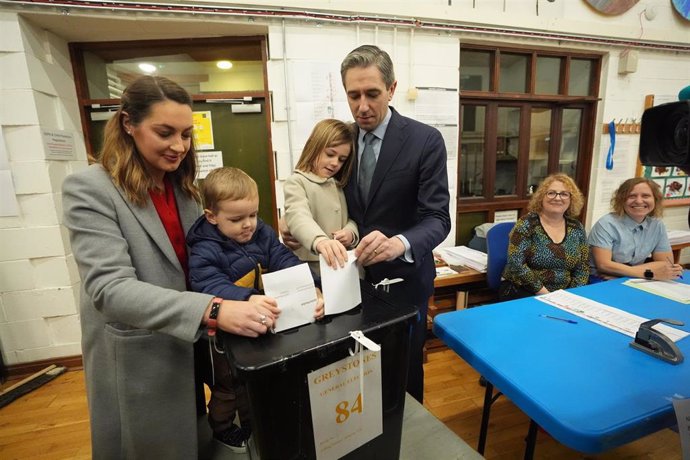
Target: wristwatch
(648,274)
(213,316)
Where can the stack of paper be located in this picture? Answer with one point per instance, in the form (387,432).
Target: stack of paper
(462,255)
(678,236)
(680,292)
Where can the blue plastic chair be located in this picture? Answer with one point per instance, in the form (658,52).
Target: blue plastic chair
(497,253)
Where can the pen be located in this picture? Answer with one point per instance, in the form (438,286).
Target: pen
(559,319)
(669,261)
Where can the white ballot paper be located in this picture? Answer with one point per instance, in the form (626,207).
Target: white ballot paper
(605,315)
(340,286)
(294,290)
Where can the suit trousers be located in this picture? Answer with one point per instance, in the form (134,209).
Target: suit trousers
(405,293)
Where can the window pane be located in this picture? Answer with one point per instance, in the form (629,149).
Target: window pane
(194,67)
(580,77)
(472,150)
(570,141)
(507,150)
(548,75)
(539,138)
(513,76)
(475,70)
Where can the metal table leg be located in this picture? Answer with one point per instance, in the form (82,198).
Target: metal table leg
(531,440)
(489,399)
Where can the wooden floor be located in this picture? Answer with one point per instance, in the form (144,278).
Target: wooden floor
(51,422)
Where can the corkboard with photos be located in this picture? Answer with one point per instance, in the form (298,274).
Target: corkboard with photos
(674,183)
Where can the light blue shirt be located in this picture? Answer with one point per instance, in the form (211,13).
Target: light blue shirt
(630,243)
(379,132)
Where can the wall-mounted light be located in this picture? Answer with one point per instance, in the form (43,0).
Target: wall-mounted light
(147,68)
(224,65)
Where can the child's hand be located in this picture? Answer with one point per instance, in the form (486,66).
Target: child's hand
(319,311)
(346,237)
(333,251)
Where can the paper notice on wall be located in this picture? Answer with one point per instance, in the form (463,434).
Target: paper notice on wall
(450,138)
(346,404)
(506,216)
(207,162)
(59,144)
(203,130)
(624,163)
(437,106)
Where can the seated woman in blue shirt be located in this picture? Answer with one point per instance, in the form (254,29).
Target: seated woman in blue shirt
(623,240)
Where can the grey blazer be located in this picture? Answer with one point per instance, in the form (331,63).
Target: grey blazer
(138,323)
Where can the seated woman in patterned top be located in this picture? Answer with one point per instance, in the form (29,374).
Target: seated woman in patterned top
(548,247)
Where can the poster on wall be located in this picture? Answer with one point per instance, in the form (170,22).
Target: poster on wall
(203,130)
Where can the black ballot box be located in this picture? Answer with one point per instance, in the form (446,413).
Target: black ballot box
(274,369)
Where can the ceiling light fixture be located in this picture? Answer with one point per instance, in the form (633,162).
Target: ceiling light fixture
(225,65)
(147,68)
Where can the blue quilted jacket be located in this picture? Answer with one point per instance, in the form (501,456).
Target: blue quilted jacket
(227,269)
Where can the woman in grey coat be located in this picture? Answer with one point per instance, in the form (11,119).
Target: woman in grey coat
(127,217)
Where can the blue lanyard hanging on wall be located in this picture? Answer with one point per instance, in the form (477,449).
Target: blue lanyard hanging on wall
(612,135)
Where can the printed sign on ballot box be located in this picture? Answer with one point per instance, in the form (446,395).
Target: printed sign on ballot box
(346,405)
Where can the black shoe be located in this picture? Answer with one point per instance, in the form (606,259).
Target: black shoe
(234,438)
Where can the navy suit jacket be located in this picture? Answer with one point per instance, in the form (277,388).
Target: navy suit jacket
(408,196)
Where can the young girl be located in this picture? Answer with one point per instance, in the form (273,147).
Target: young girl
(315,207)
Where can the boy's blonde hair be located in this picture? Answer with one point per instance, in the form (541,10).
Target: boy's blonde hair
(227,183)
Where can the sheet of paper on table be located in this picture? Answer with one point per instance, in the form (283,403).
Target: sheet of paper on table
(340,286)
(604,315)
(445,271)
(294,290)
(673,290)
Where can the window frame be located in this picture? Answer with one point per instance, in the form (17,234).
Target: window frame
(492,99)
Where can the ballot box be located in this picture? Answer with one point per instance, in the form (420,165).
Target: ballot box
(275,367)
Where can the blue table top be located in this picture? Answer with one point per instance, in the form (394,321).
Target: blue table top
(581,382)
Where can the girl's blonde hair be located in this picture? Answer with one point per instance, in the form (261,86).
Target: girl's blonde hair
(328,133)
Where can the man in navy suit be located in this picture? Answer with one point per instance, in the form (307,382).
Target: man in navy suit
(405,213)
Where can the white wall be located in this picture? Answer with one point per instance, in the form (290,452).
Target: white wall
(38,279)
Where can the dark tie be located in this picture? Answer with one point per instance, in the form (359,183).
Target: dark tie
(367,166)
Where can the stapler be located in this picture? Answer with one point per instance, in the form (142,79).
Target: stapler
(656,343)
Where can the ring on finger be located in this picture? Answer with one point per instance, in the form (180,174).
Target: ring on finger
(262,320)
